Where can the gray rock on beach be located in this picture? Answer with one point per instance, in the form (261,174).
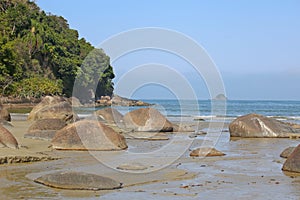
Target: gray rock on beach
(88,135)
(292,163)
(53,108)
(287,152)
(132,166)
(206,151)
(78,181)
(110,115)
(4,114)
(44,129)
(147,120)
(254,125)
(7,139)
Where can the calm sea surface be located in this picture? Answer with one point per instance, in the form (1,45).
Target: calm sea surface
(283,110)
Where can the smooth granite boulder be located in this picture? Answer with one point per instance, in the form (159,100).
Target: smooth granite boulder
(4,114)
(53,108)
(44,129)
(254,125)
(287,152)
(7,139)
(110,115)
(78,181)
(147,120)
(206,151)
(292,163)
(88,135)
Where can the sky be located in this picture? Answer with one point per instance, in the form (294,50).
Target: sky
(255,44)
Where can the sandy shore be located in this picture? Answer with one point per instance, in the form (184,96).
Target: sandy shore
(251,169)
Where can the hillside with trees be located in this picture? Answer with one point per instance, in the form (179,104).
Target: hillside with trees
(40,55)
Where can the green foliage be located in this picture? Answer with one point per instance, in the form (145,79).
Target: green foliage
(36,44)
(36,87)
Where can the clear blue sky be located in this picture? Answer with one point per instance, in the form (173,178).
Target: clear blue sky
(255,44)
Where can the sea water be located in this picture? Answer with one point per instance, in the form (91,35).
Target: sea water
(212,110)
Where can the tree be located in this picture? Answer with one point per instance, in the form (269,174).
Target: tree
(36,44)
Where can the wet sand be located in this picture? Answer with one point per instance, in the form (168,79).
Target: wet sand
(251,169)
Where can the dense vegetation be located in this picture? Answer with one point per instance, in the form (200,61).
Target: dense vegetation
(40,55)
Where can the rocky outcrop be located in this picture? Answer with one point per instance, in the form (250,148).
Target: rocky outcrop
(7,139)
(121,101)
(220,97)
(53,108)
(206,151)
(88,135)
(110,115)
(78,181)
(147,120)
(254,125)
(4,114)
(287,152)
(44,129)
(292,163)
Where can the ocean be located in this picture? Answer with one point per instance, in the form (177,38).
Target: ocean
(202,109)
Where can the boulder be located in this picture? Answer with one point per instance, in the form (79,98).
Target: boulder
(44,129)
(132,166)
(7,139)
(53,108)
(88,135)
(254,125)
(75,102)
(206,151)
(78,181)
(147,120)
(292,163)
(4,114)
(110,115)
(287,152)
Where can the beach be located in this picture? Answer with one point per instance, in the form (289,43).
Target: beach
(250,169)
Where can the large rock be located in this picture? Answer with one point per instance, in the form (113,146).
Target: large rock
(44,129)
(206,151)
(254,125)
(148,120)
(7,139)
(110,115)
(53,108)
(78,181)
(88,135)
(292,163)
(4,114)
(287,152)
